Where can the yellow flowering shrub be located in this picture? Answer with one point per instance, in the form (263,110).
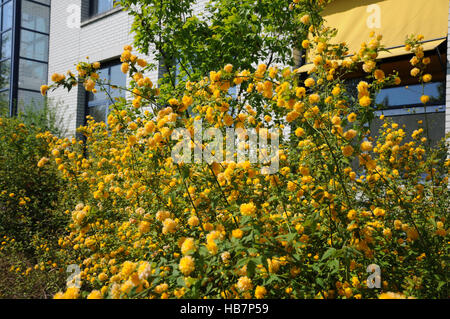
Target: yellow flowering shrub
(148,226)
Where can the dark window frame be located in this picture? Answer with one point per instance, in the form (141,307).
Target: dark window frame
(94,11)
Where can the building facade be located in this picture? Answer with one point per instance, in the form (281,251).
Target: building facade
(25,27)
(96,29)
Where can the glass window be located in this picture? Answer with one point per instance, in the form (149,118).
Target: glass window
(5,71)
(6,45)
(99,112)
(7,16)
(35,16)
(32,74)
(98,103)
(34,45)
(119,79)
(29,101)
(100,6)
(101,95)
(402,105)
(410,95)
(435,121)
(4,103)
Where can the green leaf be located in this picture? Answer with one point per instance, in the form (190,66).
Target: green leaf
(330,252)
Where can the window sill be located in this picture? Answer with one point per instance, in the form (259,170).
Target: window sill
(100,16)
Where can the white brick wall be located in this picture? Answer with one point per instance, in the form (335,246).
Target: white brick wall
(101,40)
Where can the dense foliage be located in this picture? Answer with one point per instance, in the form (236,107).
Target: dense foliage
(148,226)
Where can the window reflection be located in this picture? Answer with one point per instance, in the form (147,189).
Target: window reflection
(98,103)
(29,101)
(32,74)
(4,103)
(6,45)
(7,16)
(35,16)
(100,6)
(435,122)
(5,72)
(34,45)
(410,95)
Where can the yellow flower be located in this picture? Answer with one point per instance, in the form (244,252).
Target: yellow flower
(95,294)
(379,75)
(305,44)
(144,227)
(391,295)
(368,66)
(427,78)
(299,132)
(56,77)
(71,293)
(351,214)
(187,100)
(188,246)
(336,91)
(309,82)
(351,117)
(260,292)
(228,68)
(348,135)
(244,283)
(348,292)
(355,282)
(366,146)
(89,85)
(42,161)
(314,98)
(187,265)
(412,233)
(347,150)
(365,101)
(248,209)
(212,247)
(141,62)
(169,226)
(161,288)
(424,99)
(414,72)
(291,116)
(44,89)
(126,55)
(128,268)
(102,276)
(162,215)
(125,67)
(305,19)
(237,233)
(300,92)
(193,221)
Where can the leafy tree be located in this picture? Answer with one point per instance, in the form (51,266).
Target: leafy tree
(241,32)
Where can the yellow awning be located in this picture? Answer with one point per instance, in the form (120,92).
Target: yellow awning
(394,19)
(427,46)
